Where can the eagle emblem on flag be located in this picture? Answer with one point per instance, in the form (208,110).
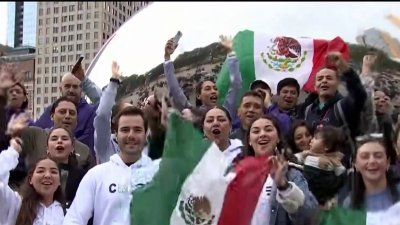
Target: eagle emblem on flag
(196,210)
(284,54)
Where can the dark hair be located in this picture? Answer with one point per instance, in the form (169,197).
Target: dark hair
(259,84)
(72,160)
(30,198)
(25,103)
(358,191)
(290,137)
(332,137)
(253,94)
(130,111)
(118,107)
(199,87)
(59,100)
(289,82)
(249,151)
(220,108)
(396,134)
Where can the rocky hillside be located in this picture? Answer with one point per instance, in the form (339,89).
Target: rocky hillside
(193,66)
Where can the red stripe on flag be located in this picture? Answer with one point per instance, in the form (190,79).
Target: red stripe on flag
(321,48)
(243,192)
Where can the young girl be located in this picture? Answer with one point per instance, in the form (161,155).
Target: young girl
(322,163)
(40,201)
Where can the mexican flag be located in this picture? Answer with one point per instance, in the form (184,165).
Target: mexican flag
(271,59)
(342,216)
(194,184)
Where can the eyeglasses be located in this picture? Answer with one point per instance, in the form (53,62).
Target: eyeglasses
(369,137)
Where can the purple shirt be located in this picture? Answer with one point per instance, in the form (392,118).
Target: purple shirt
(84,130)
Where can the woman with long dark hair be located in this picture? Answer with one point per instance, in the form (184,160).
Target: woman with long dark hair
(40,201)
(285,198)
(60,148)
(299,136)
(376,185)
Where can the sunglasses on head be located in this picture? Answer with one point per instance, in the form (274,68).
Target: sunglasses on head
(369,137)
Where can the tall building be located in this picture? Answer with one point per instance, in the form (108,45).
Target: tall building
(21,24)
(67,30)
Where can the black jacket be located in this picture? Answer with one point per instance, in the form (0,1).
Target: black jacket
(352,106)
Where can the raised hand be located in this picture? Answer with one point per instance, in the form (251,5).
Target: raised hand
(170,47)
(17,124)
(8,76)
(78,72)
(226,42)
(115,70)
(279,167)
(16,143)
(336,59)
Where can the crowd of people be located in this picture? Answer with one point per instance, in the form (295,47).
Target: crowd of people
(79,162)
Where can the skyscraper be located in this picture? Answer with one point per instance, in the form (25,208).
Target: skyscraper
(67,30)
(21,24)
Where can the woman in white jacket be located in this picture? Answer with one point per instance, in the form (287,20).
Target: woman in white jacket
(40,200)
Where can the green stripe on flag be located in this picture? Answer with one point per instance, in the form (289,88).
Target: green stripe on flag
(342,216)
(184,147)
(243,45)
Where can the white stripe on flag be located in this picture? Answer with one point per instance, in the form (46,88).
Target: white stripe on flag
(203,191)
(390,216)
(264,44)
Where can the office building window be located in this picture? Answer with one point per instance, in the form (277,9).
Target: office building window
(63,48)
(87,55)
(72,8)
(46,70)
(64,9)
(55,39)
(63,58)
(88,16)
(38,100)
(46,90)
(79,27)
(39,60)
(71,18)
(40,22)
(54,90)
(95,45)
(53,99)
(55,49)
(80,16)
(46,80)
(80,5)
(40,12)
(46,100)
(71,28)
(62,68)
(53,80)
(70,47)
(54,69)
(54,59)
(79,47)
(88,25)
(46,60)
(55,10)
(79,37)
(55,20)
(64,19)
(39,71)
(70,58)
(55,30)
(96,14)
(96,25)
(87,46)
(70,37)
(87,35)
(48,11)
(38,90)
(96,35)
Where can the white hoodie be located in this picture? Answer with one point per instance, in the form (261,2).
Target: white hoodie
(10,201)
(106,192)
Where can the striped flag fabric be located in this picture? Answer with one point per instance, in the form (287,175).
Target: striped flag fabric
(271,59)
(195,185)
(345,216)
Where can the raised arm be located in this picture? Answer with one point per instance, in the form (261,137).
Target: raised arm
(178,97)
(88,87)
(234,75)
(102,121)
(10,200)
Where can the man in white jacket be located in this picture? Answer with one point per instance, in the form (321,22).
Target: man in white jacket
(105,191)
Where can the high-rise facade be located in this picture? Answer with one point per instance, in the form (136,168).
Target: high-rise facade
(21,24)
(67,30)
